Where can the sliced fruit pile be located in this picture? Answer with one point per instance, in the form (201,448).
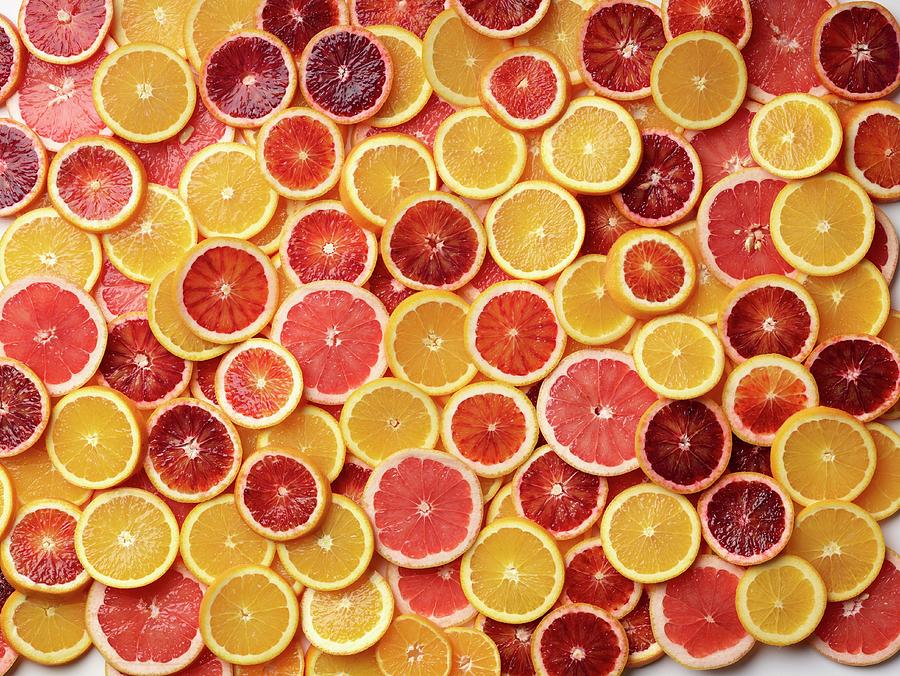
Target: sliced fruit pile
(447,337)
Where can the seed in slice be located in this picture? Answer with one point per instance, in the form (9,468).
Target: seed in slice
(881,498)
(731,18)
(853,302)
(414,645)
(474,652)
(26,405)
(870,133)
(49,630)
(603,223)
(642,645)
(24,166)
(433,593)
(590,578)
(583,307)
(513,643)
(11,76)
(64,32)
(311,433)
(560,643)
(822,453)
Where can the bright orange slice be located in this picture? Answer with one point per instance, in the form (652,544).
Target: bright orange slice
(45,629)
(414,646)
(410,89)
(208,22)
(160,21)
(881,498)
(313,434)
(855,301)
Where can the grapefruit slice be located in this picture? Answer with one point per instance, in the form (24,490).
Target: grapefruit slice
(725,150)
(642,645)
(731,18)
(433,593)
(425,508)
(872,132)
(24,167)
(295,22)
(414,16)
(591,578)
(513,642)
(885,249)
(64,32)
(116,294)
(12,61)
(26,405)
(603,223)
(579,637)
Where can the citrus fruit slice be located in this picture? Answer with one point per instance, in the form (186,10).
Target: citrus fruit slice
(502,21)
(352,478)
(603,223)
(709,292)
(650,534)
(725,150)
(249,615)
(870,135)
(207,23)
(319,663)
(280,495)
(642,645)
(214,539)
(269,238)
(290,661)
(49,630)
(126,538)
(856,301)
(149,630)
(699,80)
(313,434)
(115,294)
(805,456)
(7,498)
(433,593)
(414,17)
(13,58)
(595,147)
(33,477)
(590,578)
(25,165)
(843,543)
(881,498)
(554,34)
(534,230)
(731,18)
(140,21)
(26,405)
(64,32)
(295,22)
(749,457)
(560,643)
(513,643)
(501,505)
(489,273)
(474,652)
(413,645)
(410,89)
(885,249)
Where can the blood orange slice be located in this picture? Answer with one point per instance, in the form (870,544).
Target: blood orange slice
(859,374)
(433,593)
(749,457)
(885,247)
(295,22)
(193,451)
(26,407)
(871,137)
(11,65)
(203,380)
(619,41)
(603,224)
(725,150)
(150,630)
(694,617)
(591,578)
(683,445)
(63,31)
(116,294)
(336,332)
(425,508)
(642,646)
(352,480)
(413,15)
(731,18)
(579,637)
(501,20)
(422,127)
(513,642)
(386,288)
(24,165)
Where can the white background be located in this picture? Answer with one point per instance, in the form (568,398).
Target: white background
(763,661)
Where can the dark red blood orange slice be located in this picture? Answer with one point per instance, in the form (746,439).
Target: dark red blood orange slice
(488,274)
(619,41)
(346,74)
(53,327)
(413,15)
(116,294)
(425,508)
(856,51)
(150,630)
(731,18)
(694,616)
(642,646)
(667,183)
(386,288)
(203,380)
(24,407)
(749,457)
(589,407)
(513,642)
(885,247)
(138,366)
(422,127)
(683,445)
(590,578)
(11,59)
(193,451)
(294,22)
(871,144)
(603,223)
(501,19)
(579,638)
(140,480)
(733,227)
(563,500)
(746,518)
(433,593)
(64,31)
(23,166)
(725,149)
(322,242)
(352,480)
(433,241)
(858,374)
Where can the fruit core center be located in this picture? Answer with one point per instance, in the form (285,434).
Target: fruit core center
(424,508)
(325,542)
(246,615)
(511,574)
(628,48)
(577,653)
(224,289)
(63,92)
(260,383)
(705,12)
(523,83)
(248,80)
(769,324)
(393,423)
(828,455)
(141,360)
(823,227)
(415,653)
(699,82)
(63,16)
(649,531)
(831,549)
(854,606)
(192,449)
(432,341)
(282,492)
(756,236)
(787,138)
(95,185)
(159,15)
(44,336)
(861,52)
(343,73)
(445,573)
(329,248)
(144,90)
(785,42)
(599,575)
(557,489)
(146,228)
(92,439)
(126,539)
(48,544)
(464,663)
(604,412)
(852,375)
(227,192)
(331,338)
(48,259)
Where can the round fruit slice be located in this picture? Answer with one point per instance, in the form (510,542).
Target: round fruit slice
(473,651)
(885,249)
(881,498)
(279,495)
(64,32)
(115,294)
(10,77)
(433,593)
(853,302)
(724,150)
(48,630)
(311,433)
(295,22)
(149,630)
(24,167)
(413,645)
(579,637)
(603,223)
(642,645)
(25,403)
(410,89)
(731,18)
(161,22)
(501,21)
(590,578)
(413,16)
(869,139)
(513,643)
(208,23)
(583,307)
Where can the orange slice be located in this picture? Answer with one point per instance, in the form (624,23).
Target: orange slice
(410,89)
(414,646)
(319,663)
(45,629)
(710,292)
(34,477)
(160,21)
(855,301)
(556,33)
(474,653)
(881,498)
(313,434)
(208,22)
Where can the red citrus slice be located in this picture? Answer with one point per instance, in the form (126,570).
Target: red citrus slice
(733,227)
(8,656)
(885,247)
(513,642)
(193,451)
(488,274)
(294,22)
(864,630)
(53,327)
(226,290)
(589,407)
(138,366)
(64,31)
(667,184)
(501,19)
(205,665)
(23,165)
(579,637)
(258,383)
(563,500)
(11,62)
(856,51)
(746,518)
(413,15)
(857,374)
(422,127)
(871,140)
(116,294)
(425,508)
(694,617)
(619,41)
(725,150)
(603,223)
(346,73)
(386,287)
(336,332)
(203,380)
(433,241)
(322,242)
(150,630)
(731,18)
(747,457)
(642,646)
(590,578)
(433,593)
(352,480)
(779,52)
(248,78)
(683,445)
(25,404)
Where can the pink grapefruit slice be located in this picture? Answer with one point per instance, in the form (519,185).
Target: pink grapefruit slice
(63,31)
(724,150)
(24,166)
(591,578)
(433,593)
(25,403)
(731,18)
(579,637)
(116,294)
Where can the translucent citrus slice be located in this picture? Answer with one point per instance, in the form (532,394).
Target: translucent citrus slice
(34,477)
(869,137)
(160,21)
(319,663)
(583,306)
(556,31)
(510,21)
(710,292)
(881,498)
(46,629)
(502,505)
(474,653)
(413,645)
(313,434)
(269,238)
(27,404)
(208,22)
(855,301)
(410,90)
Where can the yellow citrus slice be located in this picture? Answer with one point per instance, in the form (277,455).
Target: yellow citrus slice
(881,498)
(648,116)
(249,615)
(855,301)
(678,356)
(41,241)
(823,225)
(410,89)
(842,542)
(94,438)
(311,433)
(159,21)
(226,191)
(414,646)
(710,292)
(594,148)
(795,136)
(822,453)
(474,653)
(162,231)
(208,22)
(349,620)
(319,663)
(48,630)
(144,92)
(556,33)
(513,573)
(215,538)
(781,602)
(699,79)
(289,663)
(34,477)
(385,416)
(425,342)
(269,238)
(7,498)
(502,505)
(126,538)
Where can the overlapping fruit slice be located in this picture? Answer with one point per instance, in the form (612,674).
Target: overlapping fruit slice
(870,133)
(64,32)
(433,593)
(24,166)
(413,645)
(46,629)
(26,403)
(13,58)
(881,498)
(295,22)
(731,18)
(590,578)
(856,301)
(513,643)
(558,645)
